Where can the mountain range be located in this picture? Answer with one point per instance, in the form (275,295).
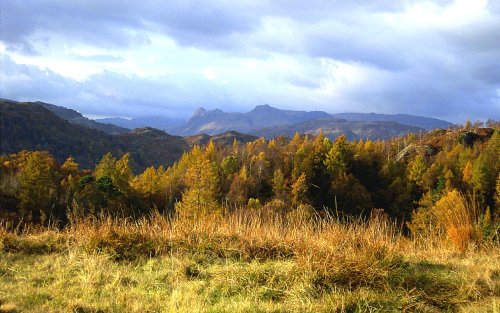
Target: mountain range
(77,118)
(218,121)
(333,128)
(167,124)
(427,123)
(267,121)
(64,132)
(35,126)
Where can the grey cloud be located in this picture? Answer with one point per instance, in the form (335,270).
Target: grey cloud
(441,72)
(113,23)
(108,93)
(102,23)
(433,91)
(24,82)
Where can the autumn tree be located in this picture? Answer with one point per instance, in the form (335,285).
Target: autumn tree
(106,167)
(200,197)
(299,190)
(149,185)
(279,185)
(119,171)
(485,171)
(417,169)
(239,189)
(338,158)
(350,196)
(38,184)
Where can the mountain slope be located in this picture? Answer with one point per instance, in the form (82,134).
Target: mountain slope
(75,117)
(427,123)
(30,126)
(217,121)
(334,127)
(226,138)
(267,121)
(166,124)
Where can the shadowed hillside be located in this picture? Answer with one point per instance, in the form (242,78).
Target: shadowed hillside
(32,126)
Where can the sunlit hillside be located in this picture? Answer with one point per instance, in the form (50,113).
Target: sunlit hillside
(305,225)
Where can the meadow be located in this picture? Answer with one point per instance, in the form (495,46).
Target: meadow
(242,261)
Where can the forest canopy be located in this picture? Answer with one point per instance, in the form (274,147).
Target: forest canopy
(406,177)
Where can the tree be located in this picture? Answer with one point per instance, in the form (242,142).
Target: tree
(69,183)
(200,197)
(467,172)
(338,158)
(417,169)
(106,167)
(279,187)
(70,166)
(350,196)
(38,184)
(119,171)
(299,190)
(230,165)
(148,184)
(239,189)
(485,171)
(122,175)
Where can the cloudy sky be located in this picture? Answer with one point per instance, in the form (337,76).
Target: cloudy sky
(150,57)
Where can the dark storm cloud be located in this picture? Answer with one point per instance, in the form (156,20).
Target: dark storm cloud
(192,23)
(107,94)
(113,23)
(24,82)
(445,68)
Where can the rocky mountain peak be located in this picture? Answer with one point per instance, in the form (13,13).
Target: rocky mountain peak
(199,112)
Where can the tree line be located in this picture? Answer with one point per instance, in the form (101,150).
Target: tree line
(310,175)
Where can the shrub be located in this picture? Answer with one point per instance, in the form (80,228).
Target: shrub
(457,217)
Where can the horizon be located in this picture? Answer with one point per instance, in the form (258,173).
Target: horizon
(436,59)
(185,119)
(98,117)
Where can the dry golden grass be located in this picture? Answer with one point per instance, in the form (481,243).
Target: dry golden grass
(242,262)
(457,217)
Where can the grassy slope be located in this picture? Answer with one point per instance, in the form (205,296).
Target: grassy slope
(240,264)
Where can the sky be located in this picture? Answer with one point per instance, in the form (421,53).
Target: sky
(151,57)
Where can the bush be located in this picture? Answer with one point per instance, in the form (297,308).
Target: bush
(457,217)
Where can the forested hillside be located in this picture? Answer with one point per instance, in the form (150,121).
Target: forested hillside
(308,224)
(405,177)
(63,132)
(31,126)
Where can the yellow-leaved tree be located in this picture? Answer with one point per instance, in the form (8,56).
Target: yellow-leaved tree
(38,183)
(200,197)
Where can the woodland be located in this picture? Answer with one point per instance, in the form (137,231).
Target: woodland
(307,224)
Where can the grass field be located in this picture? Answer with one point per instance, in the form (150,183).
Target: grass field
(241,263)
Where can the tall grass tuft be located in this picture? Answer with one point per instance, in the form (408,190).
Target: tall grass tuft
(457,216)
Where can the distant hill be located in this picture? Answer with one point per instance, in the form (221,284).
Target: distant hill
(167,124)
(427,123)
(226,138)
(216,121)
(64,132)
(334,127)
(264,118)
(75,117)
(31,126)
(150,146)
(267,121)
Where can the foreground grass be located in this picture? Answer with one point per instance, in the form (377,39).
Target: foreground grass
(240,264)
